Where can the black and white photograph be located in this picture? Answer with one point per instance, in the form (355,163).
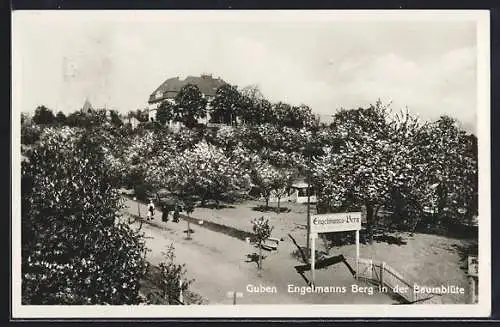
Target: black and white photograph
(250,163)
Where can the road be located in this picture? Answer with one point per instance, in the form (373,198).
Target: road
(218,263)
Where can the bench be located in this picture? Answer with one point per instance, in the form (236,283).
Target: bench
(269,247)
(270,244)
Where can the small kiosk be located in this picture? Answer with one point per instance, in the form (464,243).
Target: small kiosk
(298,193)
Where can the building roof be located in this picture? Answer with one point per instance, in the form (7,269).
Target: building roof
(169,89)
(300,184)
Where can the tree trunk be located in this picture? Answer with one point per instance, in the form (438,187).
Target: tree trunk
(397,216)
(441,204)
(260,258)
(279,210)
(267,202)
(369,223)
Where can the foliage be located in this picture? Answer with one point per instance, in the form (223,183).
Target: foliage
(149,148)
(204,171)
(115,118)
(224,137)
(269,178)
(261,229)
(165,112)
(280,146)
(272,137)
(226,105)
(396,161)
(78,119)
(451,159)
(113,142)
(281,184)
(90,119)
(253,106)
(187,138)
(24,118)
(141,115)
(292,116)
(60,118)
(74,249)
(263,176)
(190,105)
(366,164)
(188,205)
(171,274)
(30,133)
(43,116)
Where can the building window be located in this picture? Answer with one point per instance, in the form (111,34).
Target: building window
(158,95)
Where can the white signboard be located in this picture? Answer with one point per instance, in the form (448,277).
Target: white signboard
(473,266)
(335,222)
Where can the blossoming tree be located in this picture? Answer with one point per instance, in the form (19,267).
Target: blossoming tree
(75,250)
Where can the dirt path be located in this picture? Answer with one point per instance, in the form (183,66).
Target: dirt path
(425,259)
(218,263)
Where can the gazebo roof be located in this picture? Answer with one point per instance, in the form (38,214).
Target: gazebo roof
(300,184)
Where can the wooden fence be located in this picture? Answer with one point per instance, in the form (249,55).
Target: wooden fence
(379,273)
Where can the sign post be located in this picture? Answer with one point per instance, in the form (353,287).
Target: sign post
(313,237)
(181,297)
(473,267)
(357,253)
(234,295)
(333,222)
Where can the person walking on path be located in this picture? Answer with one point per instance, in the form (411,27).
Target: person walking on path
(164,213)
(167,207)
(151,210)
(176,214)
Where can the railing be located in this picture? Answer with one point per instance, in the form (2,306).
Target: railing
(380,273)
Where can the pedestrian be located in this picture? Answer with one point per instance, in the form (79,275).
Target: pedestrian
(151,210)
(168,206)
(176,214)
(164,213)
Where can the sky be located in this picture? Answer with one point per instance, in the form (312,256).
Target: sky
(117,60)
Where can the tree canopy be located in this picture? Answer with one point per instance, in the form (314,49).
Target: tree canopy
(190,105)
(43,116)
(74,249)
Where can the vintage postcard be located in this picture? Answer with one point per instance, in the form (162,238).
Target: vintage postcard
(250,164)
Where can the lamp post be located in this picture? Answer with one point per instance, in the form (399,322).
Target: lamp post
(308,152)
(138,207)
(189,207)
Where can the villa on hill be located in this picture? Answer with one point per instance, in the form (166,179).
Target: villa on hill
(168,90)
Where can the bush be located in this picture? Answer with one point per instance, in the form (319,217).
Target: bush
(30,134)
(142,191)
(170,275)
(74,249)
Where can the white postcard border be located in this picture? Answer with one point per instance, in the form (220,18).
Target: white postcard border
(481,309)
